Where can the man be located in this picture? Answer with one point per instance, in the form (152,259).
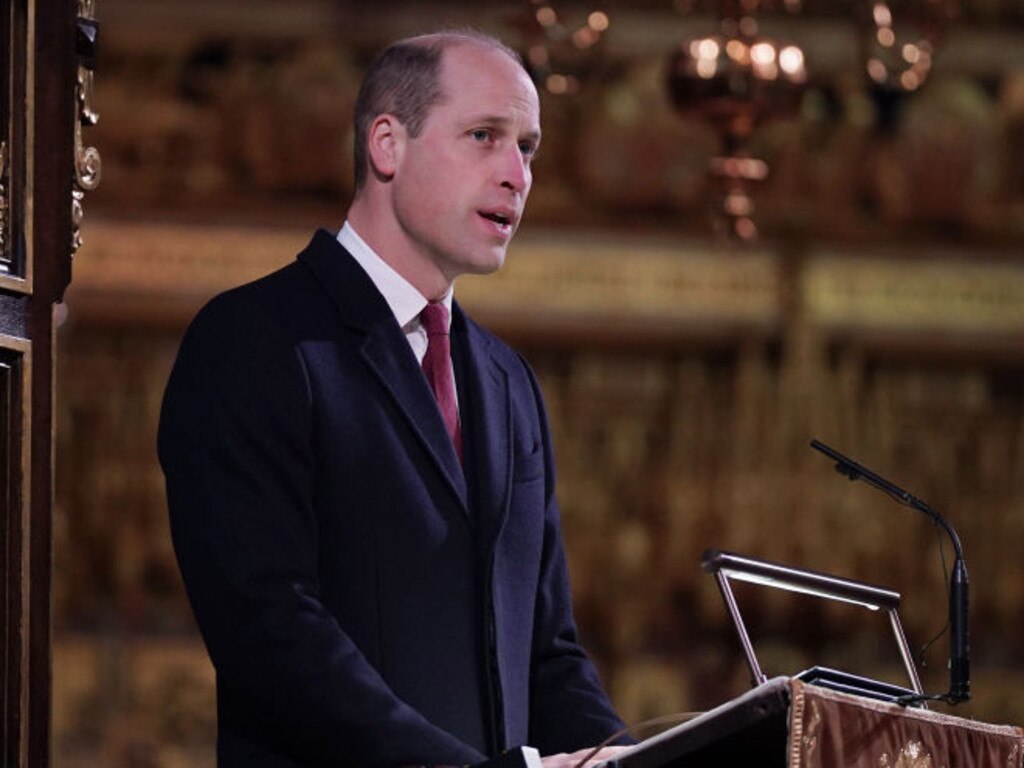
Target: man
(376,567)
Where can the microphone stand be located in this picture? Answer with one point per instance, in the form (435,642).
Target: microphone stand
(959,645)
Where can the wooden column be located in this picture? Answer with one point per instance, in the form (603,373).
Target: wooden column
(38,111)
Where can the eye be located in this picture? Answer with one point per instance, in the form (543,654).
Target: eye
(528,148)
(481,134)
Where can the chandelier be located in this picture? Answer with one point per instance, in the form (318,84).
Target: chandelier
(736,78)
(562,50)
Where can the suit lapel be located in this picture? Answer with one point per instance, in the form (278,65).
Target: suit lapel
(485,384)
(386,353)
(395,367)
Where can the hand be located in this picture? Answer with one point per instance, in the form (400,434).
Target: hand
(573,760)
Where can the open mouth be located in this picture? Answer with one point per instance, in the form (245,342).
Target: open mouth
(497,218)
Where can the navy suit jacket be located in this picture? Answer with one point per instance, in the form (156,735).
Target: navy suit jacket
(364,599)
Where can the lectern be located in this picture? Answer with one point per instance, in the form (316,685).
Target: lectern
(786,723)
(823,718)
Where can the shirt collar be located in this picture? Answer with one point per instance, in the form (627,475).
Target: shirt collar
(405,301)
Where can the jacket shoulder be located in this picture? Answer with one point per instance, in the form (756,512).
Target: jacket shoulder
(291,299)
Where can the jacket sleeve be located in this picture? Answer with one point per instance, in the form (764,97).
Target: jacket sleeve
(569,709)
(235,447)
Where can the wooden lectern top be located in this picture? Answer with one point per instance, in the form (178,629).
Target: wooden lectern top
(791,724)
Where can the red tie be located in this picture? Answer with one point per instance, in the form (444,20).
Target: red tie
(437,365)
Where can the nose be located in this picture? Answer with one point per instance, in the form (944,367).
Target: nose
(514,170)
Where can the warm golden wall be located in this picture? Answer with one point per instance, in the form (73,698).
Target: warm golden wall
(883,313)
(681,414)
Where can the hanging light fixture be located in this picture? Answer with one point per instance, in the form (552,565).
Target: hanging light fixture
(735,79)
(898,44)
(561,53)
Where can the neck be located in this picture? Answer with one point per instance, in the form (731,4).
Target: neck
(379,230)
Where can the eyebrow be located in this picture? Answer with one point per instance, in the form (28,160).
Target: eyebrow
(496,120)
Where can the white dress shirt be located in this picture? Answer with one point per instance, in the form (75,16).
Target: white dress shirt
(405,301)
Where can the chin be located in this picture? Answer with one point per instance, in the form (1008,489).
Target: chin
(485,265)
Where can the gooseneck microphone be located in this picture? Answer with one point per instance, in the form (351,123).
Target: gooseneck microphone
(959,643)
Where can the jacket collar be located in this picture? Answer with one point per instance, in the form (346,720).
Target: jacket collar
(385,352)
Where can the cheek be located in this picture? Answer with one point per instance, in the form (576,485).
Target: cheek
(420,190)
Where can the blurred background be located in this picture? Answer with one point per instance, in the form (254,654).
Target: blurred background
(753,223)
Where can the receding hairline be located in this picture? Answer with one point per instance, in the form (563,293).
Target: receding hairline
(448,40)
(444,39)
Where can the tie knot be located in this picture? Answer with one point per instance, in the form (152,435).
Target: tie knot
(435,319)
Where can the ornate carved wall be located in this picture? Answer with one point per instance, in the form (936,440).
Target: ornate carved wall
(883,313)
(681,414)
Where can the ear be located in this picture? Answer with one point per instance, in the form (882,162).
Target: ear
(385,144)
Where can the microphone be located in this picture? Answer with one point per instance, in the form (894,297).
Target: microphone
(959,631)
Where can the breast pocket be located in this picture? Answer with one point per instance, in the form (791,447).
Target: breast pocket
(528,466)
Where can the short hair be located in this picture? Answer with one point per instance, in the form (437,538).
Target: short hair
(404,80)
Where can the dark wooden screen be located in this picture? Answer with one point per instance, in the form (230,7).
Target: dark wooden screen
(37,117)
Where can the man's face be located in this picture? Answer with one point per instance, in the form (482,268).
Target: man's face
(460,187)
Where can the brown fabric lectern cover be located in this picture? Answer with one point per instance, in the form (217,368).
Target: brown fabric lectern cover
(837,730)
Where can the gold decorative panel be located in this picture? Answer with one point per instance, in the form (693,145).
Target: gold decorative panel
(88,165)
(650,286)
(642,282)
(961,295)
